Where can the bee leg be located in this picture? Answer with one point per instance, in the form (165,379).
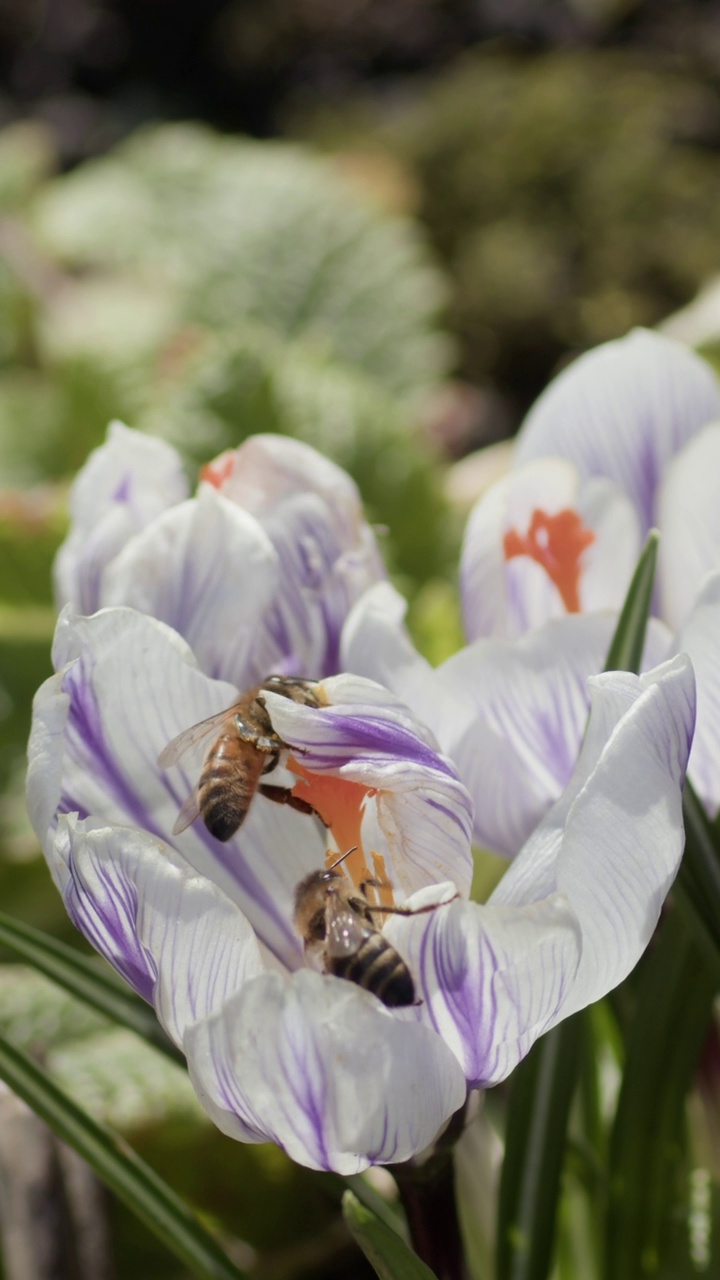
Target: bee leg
(281,795)
(415,911)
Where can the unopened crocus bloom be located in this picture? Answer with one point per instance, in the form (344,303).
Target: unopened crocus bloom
(257,570)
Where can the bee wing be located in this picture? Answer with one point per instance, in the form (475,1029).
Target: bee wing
(189,812)
(345,929)
(175,750)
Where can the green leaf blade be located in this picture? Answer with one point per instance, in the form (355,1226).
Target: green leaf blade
(673,1012)
(625,652)
(119,1167)
(384,1249)
(83,979)
(540,1097)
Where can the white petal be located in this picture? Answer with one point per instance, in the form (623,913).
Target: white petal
(375,644)
(612,844)
(689,519)
(45,759)
(323,1069)
(125,483)
(700,638)
(208,570)
(492,978)
(491,598)
(623,411)
(180,942)
(530,702)
(609,562)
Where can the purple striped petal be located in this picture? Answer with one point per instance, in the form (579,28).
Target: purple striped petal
(623,411)
(323,1069)
(129,685)
(613,842)
(327,555)
(172,934)
(208,570)
(124,485)
(491,978)
(530,702)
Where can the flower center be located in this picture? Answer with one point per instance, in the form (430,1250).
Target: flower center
(340,804)
(557,543)
(220,470)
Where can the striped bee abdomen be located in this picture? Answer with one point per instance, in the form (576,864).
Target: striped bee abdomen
(226,788)
(380,969)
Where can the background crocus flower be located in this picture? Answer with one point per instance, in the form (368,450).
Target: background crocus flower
(619,441)
(204,930)
(541,544)
(626,438)
(272,550)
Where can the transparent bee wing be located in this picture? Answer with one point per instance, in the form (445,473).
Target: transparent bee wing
(175,750)
(187,815)
(346,930)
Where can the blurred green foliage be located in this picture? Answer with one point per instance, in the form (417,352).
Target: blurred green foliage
(571,195)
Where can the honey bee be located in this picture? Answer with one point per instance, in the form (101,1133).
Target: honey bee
(245,747)
(337,923)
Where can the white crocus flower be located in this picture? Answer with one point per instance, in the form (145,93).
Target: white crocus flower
(204,930)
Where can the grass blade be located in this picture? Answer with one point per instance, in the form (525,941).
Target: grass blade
(82,977)
(386,1252)
(119,1167)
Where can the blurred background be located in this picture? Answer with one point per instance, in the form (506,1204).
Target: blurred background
(378,225)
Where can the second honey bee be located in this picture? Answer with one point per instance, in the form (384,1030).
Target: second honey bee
(245,746)
(337,925)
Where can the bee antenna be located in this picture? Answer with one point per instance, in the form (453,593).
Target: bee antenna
(337,862)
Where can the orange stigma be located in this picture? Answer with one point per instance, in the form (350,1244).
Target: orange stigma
(220,470)
(557,543)
(340,804)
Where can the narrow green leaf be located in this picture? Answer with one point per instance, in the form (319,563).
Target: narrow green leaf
(541,1092)
(119,1167)
(543,1085)
(697,889)
(82,978)
(625,653)
(390,1257)
(391,1214)
(674,1007)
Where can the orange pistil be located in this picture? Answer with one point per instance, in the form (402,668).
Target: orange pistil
(217,472)
(557,543)
(340,804)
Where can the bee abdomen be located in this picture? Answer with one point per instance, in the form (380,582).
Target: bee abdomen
(379,968)
(223,799)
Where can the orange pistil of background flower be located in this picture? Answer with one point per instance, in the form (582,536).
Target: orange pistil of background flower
(557,543)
